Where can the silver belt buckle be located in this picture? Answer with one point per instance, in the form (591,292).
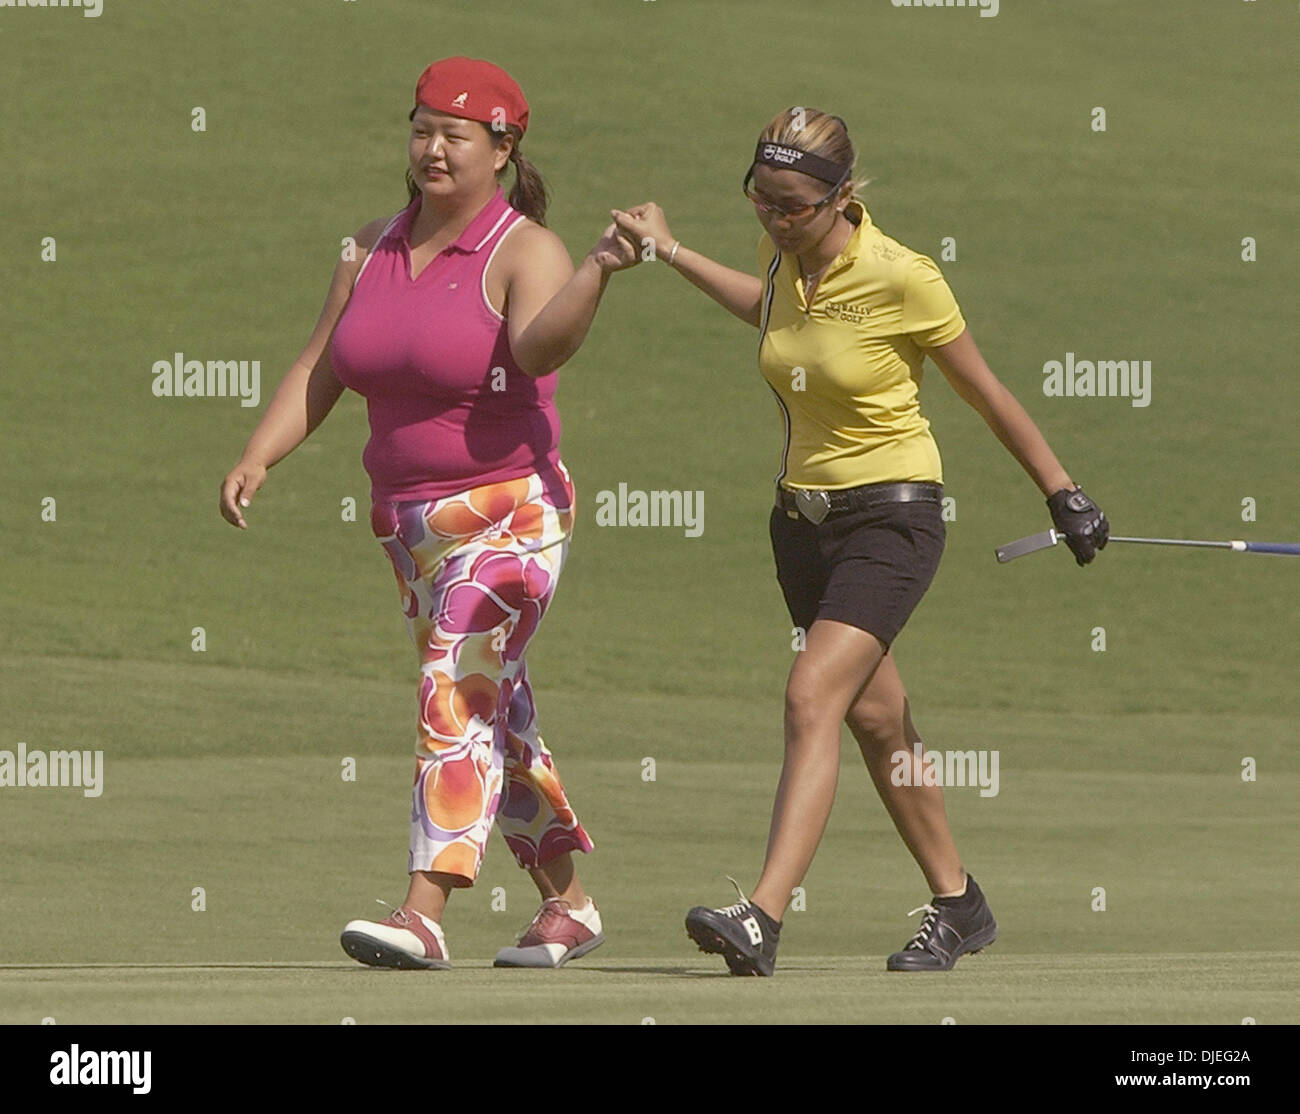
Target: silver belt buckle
(813,505)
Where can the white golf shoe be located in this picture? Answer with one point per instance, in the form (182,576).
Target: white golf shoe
(404,939)
(557,934)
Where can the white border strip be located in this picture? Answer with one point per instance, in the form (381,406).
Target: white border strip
(371,253)
(489,236)
(482,279)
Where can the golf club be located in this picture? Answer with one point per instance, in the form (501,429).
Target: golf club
(1049,538)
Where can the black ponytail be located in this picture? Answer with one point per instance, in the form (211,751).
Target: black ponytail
(529,194)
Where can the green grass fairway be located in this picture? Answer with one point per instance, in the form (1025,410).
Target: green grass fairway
(1207,988)
(286,852)
(1159,774)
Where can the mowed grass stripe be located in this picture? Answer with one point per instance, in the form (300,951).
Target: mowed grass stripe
(285,852)
(1205,988)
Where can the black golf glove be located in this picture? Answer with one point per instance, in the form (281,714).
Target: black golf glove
(1080,521)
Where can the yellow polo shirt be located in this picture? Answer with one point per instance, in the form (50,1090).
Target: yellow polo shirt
(846,370)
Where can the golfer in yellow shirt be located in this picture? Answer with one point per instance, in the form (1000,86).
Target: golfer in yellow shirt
(846,317)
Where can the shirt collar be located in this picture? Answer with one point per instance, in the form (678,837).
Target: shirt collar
(476,233)
(849,254)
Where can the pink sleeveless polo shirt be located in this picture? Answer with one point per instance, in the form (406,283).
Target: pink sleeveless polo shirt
(423,352)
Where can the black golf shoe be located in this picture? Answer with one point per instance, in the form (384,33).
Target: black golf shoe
(952,927)
(744,935)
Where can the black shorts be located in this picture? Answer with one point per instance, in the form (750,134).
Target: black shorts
(868,568)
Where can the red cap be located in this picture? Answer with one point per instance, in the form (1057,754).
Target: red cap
(474,90)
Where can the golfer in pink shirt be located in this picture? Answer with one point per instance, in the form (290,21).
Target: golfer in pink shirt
(452,322)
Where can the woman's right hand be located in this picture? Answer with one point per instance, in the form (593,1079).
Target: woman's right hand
(237,491)
(645,222)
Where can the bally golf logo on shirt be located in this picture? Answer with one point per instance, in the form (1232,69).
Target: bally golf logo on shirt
(852,312)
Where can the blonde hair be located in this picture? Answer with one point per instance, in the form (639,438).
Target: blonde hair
(819,134)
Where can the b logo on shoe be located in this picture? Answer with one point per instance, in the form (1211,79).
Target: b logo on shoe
(755,933)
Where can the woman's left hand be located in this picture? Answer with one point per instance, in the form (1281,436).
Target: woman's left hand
(614,251)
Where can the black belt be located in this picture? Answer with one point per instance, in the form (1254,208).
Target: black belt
(816,505)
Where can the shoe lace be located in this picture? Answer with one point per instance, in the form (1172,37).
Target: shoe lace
(739,908)
(922,937)
(550,909)
(397,914)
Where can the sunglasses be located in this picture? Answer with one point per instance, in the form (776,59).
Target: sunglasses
(797,212)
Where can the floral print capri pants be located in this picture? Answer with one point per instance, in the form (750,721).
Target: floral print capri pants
(476,572)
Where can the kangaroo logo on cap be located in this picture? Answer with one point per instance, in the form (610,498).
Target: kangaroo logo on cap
(459,102)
